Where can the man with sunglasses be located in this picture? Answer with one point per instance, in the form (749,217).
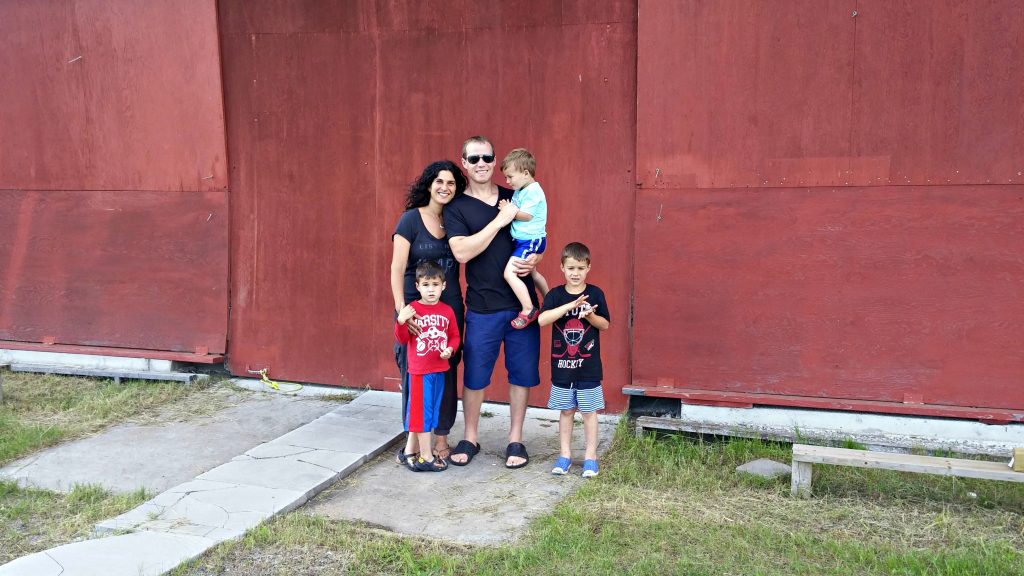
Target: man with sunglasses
(479,236)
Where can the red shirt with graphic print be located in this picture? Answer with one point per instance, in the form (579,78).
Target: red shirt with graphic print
(438,330)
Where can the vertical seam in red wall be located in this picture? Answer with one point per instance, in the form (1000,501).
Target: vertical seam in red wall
(853,87)
(227,175)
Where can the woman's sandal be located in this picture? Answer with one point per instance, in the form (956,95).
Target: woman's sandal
(466,447)
(523,320)
(435,465)
(443,453)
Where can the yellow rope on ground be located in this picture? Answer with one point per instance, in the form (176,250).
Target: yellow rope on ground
(279,386)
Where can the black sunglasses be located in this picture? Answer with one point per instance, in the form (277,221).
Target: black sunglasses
(487,158)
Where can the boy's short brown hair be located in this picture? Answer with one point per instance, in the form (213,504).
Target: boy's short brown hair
(520,159)
(577,251)
(427,270)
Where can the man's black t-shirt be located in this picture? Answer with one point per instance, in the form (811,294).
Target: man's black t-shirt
(486,289)
(575,343)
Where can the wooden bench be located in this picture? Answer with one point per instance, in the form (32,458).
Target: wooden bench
(2,366)
(804,456)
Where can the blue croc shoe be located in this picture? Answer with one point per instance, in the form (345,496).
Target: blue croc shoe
(562,466)
(589,468)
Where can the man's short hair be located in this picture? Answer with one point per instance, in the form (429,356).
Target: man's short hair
(428,270)
(577,251)
(475,140)
(520,159)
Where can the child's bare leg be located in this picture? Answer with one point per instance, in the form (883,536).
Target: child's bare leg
(426,445)
(590,433)
(411,441)
(565,432)
(518,287)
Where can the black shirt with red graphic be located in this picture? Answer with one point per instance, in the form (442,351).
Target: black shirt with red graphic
(575,344)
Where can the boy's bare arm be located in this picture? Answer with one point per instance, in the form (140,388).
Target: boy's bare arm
(549,316)
(597,321)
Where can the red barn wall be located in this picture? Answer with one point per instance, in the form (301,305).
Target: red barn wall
(788,198)
(113,175)
(333,108)
(831,202)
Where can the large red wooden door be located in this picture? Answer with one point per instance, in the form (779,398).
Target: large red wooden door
(333,108)
(828,209)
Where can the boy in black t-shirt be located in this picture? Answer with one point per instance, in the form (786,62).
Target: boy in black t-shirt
(579,313)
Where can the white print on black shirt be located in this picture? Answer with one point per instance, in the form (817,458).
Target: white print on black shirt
(573,334)
(433,335)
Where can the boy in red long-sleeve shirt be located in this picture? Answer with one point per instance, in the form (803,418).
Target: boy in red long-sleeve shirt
(428,362)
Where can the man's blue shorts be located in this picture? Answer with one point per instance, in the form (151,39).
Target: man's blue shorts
(484,336)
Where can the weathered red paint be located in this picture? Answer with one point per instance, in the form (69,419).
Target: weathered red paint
(131,269)
(111,95)
(828,207)
(763,271)
(113,176)
(866,293)
(332,112)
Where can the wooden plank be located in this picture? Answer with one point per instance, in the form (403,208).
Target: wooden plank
(117,375)
(118,352)
(906,463)
(824,402)
(800,479)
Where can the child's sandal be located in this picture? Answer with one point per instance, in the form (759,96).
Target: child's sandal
(435,465)
(523,320)
(407,460)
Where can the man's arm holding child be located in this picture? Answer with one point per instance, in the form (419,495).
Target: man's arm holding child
(465,248)
(520,215)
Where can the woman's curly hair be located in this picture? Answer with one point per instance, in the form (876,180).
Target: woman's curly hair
(419,191)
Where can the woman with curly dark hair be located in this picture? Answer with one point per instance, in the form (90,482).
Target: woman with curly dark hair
(419,236)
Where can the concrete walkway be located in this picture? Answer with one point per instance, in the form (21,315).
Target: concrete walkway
(228,500)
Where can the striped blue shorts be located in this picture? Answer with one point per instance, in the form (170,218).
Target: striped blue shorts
(587,399)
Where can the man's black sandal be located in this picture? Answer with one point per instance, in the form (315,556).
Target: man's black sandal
(517,450)
(466,447)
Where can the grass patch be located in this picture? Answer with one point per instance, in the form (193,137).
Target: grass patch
(675,505)
(41,410)
(33,520)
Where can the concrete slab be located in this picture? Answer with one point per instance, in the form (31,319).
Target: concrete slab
(84,361)
(202,507)
(157,457)
(137,554)
(482,503)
